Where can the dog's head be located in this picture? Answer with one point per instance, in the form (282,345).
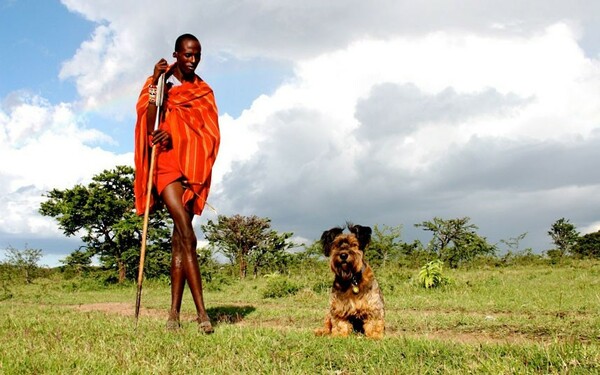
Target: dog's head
(346,251)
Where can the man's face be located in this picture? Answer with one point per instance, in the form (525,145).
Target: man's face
(188,56)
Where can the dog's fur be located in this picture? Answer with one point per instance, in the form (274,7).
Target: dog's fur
(356,302)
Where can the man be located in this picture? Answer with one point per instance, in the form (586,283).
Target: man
(187,141)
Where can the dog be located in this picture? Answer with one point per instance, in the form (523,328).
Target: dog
(356,302)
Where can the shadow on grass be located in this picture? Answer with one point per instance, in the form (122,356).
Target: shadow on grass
(229,314)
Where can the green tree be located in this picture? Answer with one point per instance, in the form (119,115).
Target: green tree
(468,247)
(564,236)
(455,240)
(103,214)
(78,261)
(25,261)
(588,245)
(271,254)
(209,267)
(414,254)
(385,245)
(310,256)
(246,239)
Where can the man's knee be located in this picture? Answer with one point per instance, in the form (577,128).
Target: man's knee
(186,239)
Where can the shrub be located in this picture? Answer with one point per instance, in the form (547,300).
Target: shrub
(322,286)
(431,276)
(278,287)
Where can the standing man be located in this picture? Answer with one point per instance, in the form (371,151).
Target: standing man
(187,142)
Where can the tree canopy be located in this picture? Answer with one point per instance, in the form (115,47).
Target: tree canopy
(588,245)
(564,235)
(103,214)
(25,261)
(385,245)
(248,240)
(455,240)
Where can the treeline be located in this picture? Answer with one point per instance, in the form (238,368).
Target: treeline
(102,213)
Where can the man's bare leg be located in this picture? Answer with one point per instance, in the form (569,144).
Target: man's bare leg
(185,258)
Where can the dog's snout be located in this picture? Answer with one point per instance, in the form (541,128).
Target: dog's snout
(343,256)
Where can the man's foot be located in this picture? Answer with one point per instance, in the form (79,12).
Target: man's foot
(206,327)
(173,325)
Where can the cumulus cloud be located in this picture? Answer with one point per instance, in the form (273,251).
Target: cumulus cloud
(44,146)
(300,29)
(130,35)
(396,112)
(491,128)
(388,104)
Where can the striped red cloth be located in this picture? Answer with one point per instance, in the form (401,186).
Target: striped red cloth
(191,115)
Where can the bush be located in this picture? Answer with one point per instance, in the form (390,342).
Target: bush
(431,276)
(278,287)
(322,286)
(555,256)
(218,281)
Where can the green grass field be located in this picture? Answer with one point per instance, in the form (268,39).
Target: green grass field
(520,319)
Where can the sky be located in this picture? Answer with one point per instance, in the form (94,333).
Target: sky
(387,112)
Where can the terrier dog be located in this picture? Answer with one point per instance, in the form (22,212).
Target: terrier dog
(355,302)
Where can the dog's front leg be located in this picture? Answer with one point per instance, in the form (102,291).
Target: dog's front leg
(326,330)
(340,327)
(374,328)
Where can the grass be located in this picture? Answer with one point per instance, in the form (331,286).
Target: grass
(526,320)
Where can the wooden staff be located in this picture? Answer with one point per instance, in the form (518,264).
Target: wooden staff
(159,101)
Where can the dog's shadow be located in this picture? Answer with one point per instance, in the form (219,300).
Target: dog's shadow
(229,314)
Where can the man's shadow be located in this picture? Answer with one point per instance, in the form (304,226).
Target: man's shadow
(229,314)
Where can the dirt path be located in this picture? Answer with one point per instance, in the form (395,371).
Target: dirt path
(471,338)
(120,308)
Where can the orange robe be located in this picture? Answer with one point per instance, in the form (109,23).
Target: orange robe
(191,117)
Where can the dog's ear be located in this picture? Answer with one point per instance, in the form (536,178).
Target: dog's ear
(362,233)
(327,239)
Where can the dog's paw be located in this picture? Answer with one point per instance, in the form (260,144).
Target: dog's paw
(322,332)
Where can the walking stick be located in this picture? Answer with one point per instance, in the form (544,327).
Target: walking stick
(138,298)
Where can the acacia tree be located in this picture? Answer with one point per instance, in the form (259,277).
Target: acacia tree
(455,240)
(244,239)
(103,213)
(385,244)
(25,260)
(564,235)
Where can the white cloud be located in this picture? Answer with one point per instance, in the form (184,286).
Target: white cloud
(541,88)
(132,35)
(397,112)
(44,146)
(466,124)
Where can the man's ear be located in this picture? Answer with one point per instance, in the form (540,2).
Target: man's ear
(175,54)
(327,239)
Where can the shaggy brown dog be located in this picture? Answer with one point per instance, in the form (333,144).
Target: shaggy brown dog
(356,302)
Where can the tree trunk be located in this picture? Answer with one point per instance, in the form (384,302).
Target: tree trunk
(121,267)
(243,267)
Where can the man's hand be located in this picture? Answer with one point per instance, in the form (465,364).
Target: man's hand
(162,66)
(161,138)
